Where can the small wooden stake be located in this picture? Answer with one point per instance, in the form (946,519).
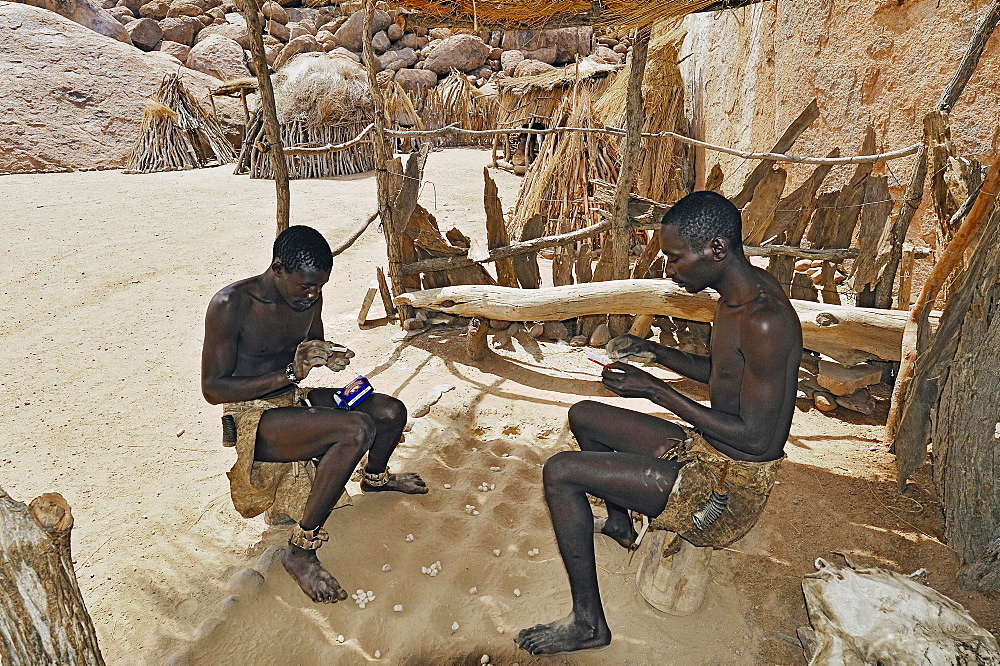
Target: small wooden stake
(905,278)
(383,288)
(366,303)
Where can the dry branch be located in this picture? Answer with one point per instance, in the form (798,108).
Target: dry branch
(848,334)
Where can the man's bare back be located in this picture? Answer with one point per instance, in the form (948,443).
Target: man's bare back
(263,335)
(751,373)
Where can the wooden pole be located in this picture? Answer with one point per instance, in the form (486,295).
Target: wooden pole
(43,618)
(847,334)
(391,226)
(618,238)
(272,130)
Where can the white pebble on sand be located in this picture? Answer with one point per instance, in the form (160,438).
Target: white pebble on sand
(475,513)
(494,469)
(517,592)
(532,552)
(474,449)
(340,638)
(473,590)
(454,626)
(398,608)
(499,630)
(485,659)
(493,486)
(496,552)
(447,486)
(386,568)
(378,655)
(409,537)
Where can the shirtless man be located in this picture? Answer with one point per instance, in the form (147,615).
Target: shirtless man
(632,460)
(262,337)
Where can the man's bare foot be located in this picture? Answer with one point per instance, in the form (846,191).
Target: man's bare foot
(314,580)
(621,530)
(404,482)
(565,635)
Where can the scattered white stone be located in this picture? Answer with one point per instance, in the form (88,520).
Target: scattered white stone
(378,655)
(447,486)
(493,486)
(475,513)
(485,659)
(340,638)
(517,592)
(398,608)
(499,630)
(386,568)
(454,626)
(469,508)
(474,449)
(532,552)
(484,487)
(494,469)
(473,589)
(409,537)
(433,569)
(496,552)
(504,455)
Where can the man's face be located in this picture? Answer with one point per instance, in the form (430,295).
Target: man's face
(300,289)
(691,268)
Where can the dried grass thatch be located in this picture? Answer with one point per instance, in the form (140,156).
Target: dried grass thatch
(515,14)
(523,100)
(321,99)
(662,173)
(322,88)
(455,100)
(176,133)
(557,182)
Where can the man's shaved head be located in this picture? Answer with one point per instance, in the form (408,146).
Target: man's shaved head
(703,216)
(303,248)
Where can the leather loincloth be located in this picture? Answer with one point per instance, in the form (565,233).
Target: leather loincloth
(748,485)
(258,486)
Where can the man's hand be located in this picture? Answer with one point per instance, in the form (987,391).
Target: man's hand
(631,347)
(311,354)
(340,357)
(629,381)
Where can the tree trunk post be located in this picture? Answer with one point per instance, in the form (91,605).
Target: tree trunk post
(272,129)
(43,618)
(618,237)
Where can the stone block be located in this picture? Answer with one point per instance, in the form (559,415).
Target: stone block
(844,381)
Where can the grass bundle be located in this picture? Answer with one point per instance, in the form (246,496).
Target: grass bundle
(177,133)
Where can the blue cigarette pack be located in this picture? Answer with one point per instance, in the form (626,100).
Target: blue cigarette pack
(353,394)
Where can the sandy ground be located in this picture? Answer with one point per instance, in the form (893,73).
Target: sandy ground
(107,278)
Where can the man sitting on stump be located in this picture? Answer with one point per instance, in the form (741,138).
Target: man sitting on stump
(638,462)
(263,335)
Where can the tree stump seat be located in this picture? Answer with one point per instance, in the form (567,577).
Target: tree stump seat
(673,574)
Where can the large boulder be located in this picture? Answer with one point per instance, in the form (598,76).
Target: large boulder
(349,35)
(531,68)
(301,44)
(509,60)
(181,29)
(461,52)
(412,79)
(75,98)
(234,31)
(179,51)
(570,42)
(605,56)
(145,33)
(399,59)
(218,56)
(274,12)
(88,14)
(156,10)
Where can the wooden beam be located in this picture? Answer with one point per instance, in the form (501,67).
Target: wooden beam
(272,129)
(793,132)
(847,334)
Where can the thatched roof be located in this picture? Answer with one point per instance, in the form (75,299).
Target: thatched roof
(527,14)
(564,76)
(322,88)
